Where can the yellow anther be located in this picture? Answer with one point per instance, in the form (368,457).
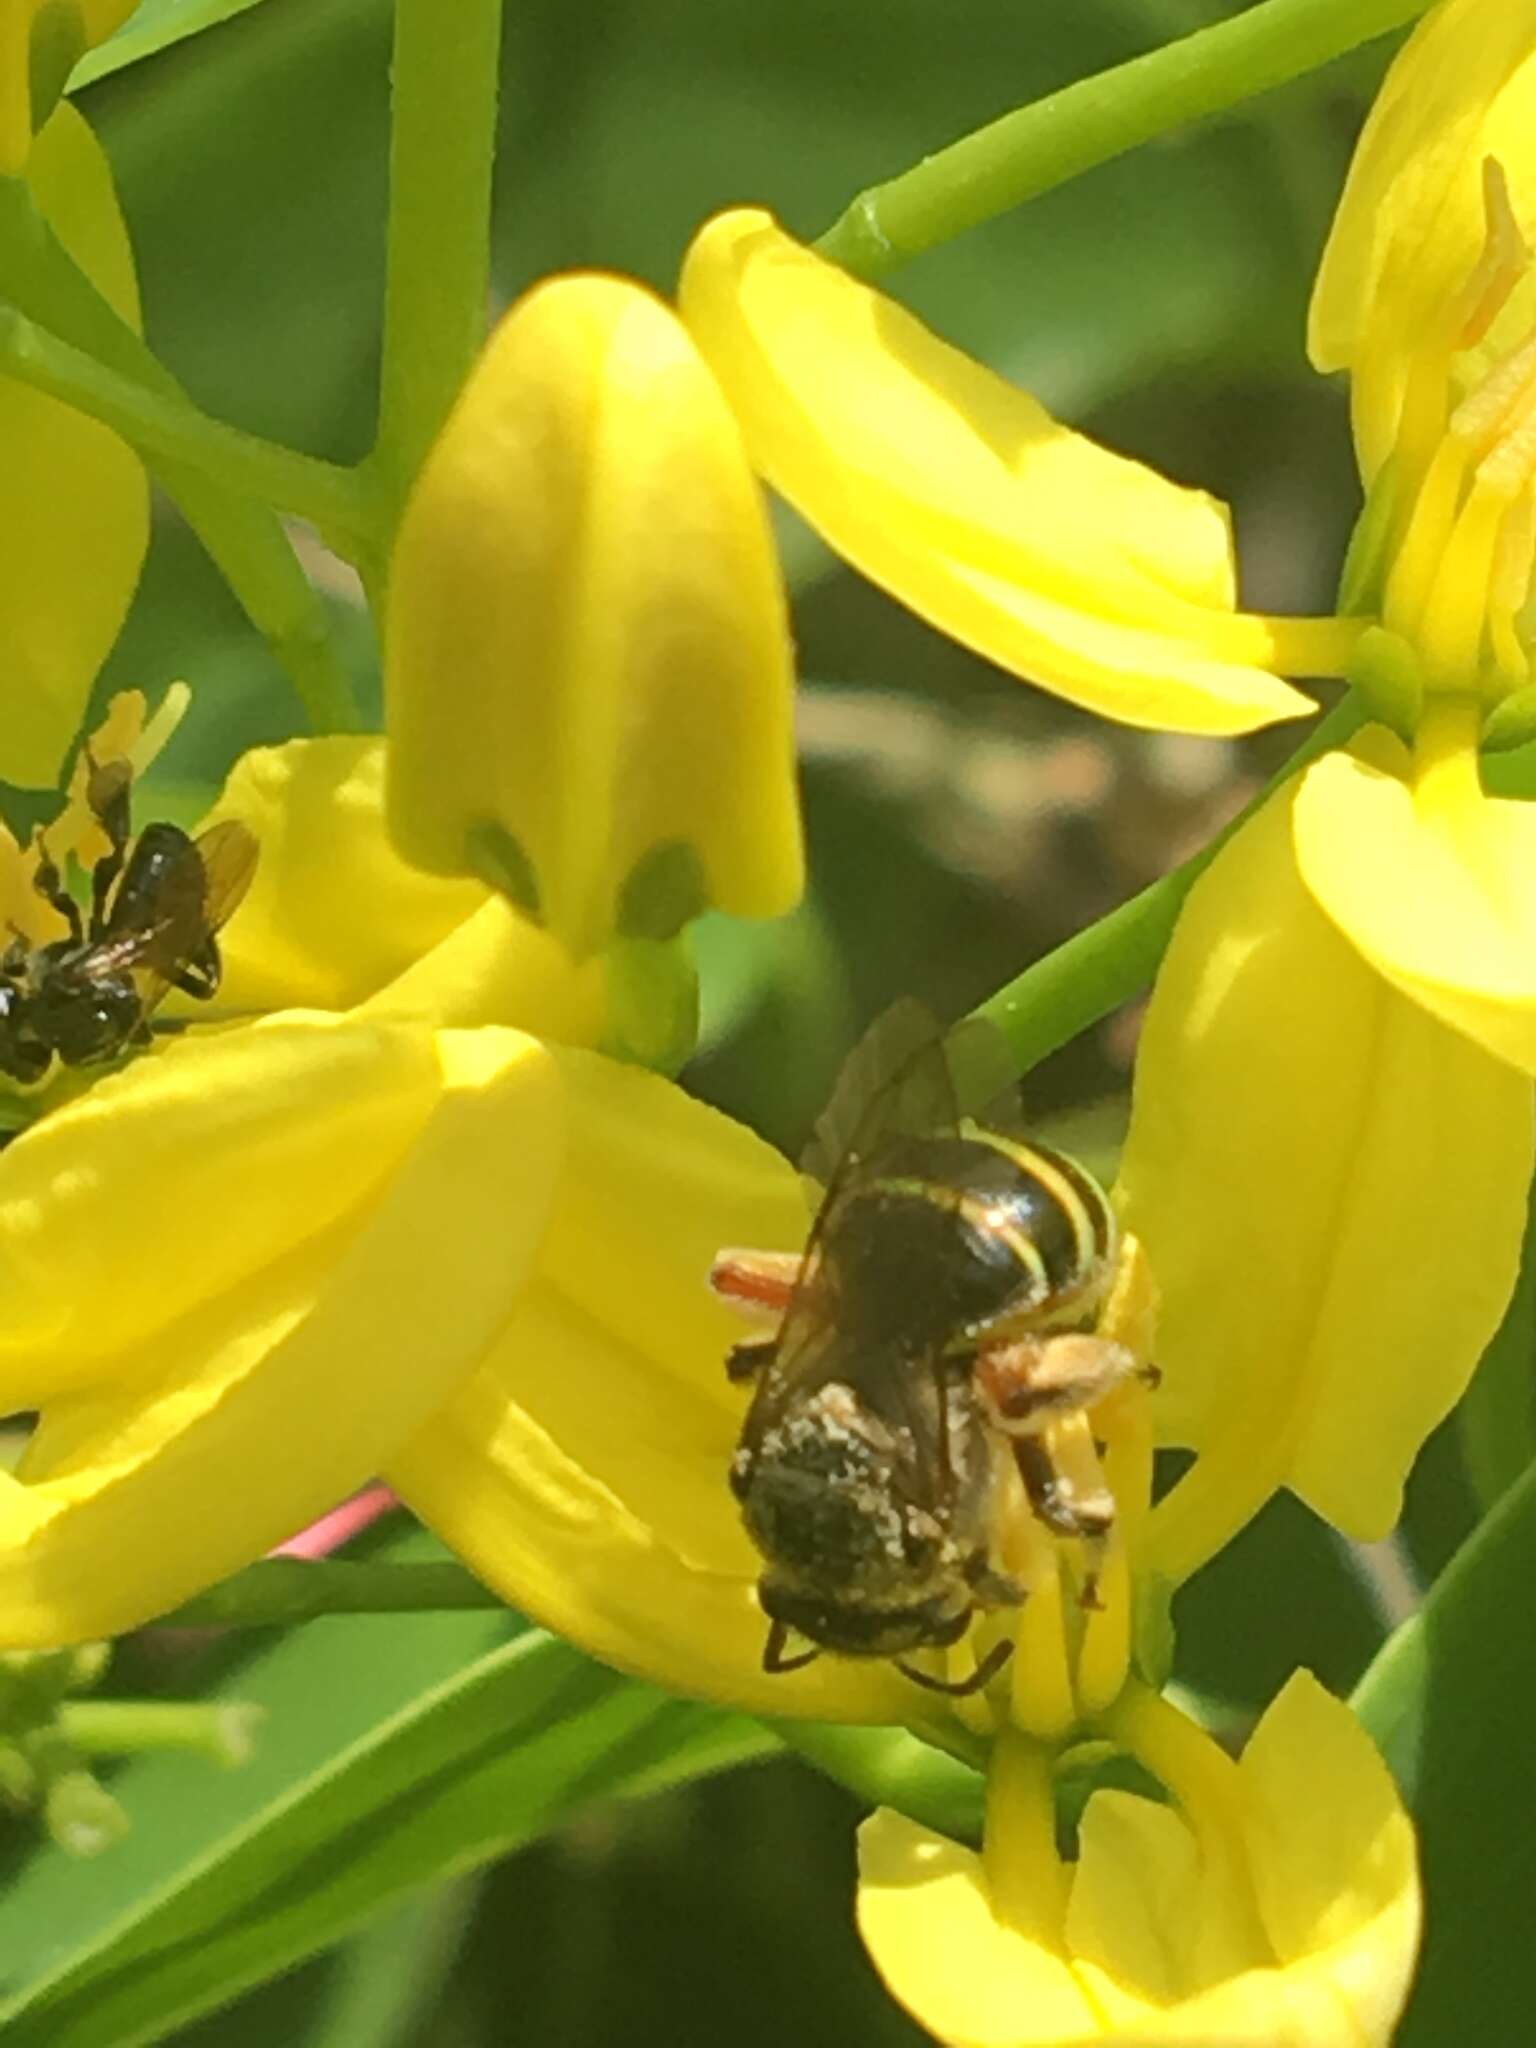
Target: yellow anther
(1507,392)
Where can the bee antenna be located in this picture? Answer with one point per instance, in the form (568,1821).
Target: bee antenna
(774,1659)
(962,1688)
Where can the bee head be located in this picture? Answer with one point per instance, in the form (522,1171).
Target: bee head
(853,1628)
(87,1019)
(833,1497)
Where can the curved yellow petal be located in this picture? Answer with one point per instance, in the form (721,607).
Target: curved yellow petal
(1440,898)
(335,918)
(1332,1853)
(333,913)
(1330,1186)
(927,1920)
(300,1117)
(583,1470)
(1332,1857)
(1411,224)
(1077,568)
(588,678)
(74,500)
(237,1420)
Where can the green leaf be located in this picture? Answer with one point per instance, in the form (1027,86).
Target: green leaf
(153,26)
(1449,1702)
(1498,1415)
(497,1753)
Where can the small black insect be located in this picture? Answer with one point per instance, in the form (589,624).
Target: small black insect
(156,908)
(940,1317)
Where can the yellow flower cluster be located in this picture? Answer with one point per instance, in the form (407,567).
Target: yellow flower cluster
(469,1244)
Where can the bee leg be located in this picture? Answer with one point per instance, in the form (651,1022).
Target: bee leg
(961,1688)
(107,793)
(774,1659)
(757,1283)
(1031,1379)
(201,972)
(992,1587)
(1068,1492)
(745,1361)
(49,884)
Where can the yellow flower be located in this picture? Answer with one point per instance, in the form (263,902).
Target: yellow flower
(235,1276)
(1275,1902)
(1076,568)
(1338,1109)
(241,1275)
(1331,1185)
(588,678)
(41,41)
(1332,1141)
(74,500)
(335,919)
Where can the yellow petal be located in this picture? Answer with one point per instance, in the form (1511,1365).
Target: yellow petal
(74,500)
(335,918)
(958,493)
(41,41)
(582,1471)
(242,1414)
(1411,224)
(588,670)
(1439,897)
(93,1197)
(1331,1189)
(1332,1857)
(927,1921)
(1331,1851)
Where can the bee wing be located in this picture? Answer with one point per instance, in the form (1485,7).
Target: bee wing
(227,852)
(904,1078)
(895,1079)
(895,1082)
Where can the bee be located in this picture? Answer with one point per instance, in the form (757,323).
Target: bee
(938,1321)
(154,914)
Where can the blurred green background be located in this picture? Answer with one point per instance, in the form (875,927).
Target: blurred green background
(960,823)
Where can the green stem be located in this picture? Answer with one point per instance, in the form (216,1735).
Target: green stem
(442,150)
(169,429)
(223,1732)
(1096,970)
(244,537)
(1041,145)
(287,1589)
(1497,1416)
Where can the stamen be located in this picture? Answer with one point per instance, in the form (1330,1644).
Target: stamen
(1513,565)
(1430,526)
(1027,1882)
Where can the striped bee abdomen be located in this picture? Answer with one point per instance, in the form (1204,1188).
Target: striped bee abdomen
(947,1236)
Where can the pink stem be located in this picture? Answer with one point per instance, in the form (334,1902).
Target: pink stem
(340,1525)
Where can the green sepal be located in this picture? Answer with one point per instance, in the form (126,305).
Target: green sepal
(1511,722)
(665,891)
(653,1003)
(1389,680)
